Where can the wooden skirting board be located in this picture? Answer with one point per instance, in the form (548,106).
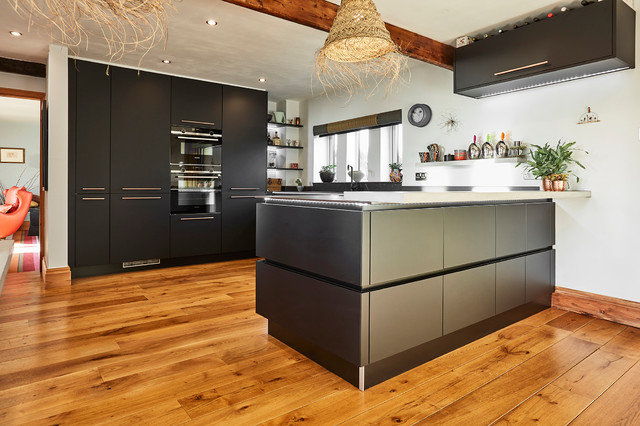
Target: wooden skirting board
(55,277)
(604,307)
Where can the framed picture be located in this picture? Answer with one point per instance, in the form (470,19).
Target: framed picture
(11,155)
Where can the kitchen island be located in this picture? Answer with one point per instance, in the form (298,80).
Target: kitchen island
(372,287)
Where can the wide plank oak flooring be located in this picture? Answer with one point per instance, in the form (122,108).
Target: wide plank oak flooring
(185,346)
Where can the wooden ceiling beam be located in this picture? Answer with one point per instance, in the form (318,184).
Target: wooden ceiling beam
(15,66)
(319,14)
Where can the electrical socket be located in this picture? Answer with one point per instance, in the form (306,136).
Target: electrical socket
(528,176)
(421,175)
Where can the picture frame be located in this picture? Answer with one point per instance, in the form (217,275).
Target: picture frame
(12,155)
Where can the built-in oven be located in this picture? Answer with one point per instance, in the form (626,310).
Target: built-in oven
(196,169)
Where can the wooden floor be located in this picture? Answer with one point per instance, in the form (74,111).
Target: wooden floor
(184,345)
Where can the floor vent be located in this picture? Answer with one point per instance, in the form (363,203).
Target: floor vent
(138,263)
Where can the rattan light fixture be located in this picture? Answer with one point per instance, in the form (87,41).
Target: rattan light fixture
(359,53)
(125,25)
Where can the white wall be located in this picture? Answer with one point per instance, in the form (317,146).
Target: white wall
(55,250)
(21,130)
(597,238)
(22,82)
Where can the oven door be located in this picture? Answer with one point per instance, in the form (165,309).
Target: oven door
(194,150)
(195,200)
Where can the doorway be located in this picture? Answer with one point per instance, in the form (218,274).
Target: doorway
(23,131)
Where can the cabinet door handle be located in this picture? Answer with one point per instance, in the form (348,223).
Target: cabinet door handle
(142,198)
(192,138)
(537,64)
(93,189)
(245,189)
(199,122)
(141,189)
(93,199)
(197,218)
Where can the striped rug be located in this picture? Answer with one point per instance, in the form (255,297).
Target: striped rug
(26,252)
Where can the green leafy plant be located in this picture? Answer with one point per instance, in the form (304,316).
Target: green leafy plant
(395,166)
(552,163)
(327,168)
(298,182)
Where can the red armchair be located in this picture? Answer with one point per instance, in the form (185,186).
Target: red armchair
(12,213)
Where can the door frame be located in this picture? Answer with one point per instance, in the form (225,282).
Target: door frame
(39,96)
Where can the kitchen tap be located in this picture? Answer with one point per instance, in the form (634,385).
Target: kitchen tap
(350,173)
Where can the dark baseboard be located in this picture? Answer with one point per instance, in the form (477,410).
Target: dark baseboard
(598,306)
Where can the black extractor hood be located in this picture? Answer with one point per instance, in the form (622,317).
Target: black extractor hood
(583,42)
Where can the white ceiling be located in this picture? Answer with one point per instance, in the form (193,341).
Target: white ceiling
(247,45)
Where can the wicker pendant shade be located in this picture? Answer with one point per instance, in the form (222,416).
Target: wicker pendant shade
(357,50)
(125,25)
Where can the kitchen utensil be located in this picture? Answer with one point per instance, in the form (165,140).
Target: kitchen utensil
(474,149)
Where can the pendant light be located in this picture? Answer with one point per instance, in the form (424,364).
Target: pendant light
(358,52)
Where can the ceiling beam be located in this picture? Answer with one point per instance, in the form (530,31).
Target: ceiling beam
(23,67)
(319,14)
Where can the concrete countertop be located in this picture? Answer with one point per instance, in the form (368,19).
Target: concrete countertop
(419,197)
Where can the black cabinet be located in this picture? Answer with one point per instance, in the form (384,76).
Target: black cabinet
(195,234)
(541,225)
(92,230)
(510,284)
(539,277)
(239,222)
(578,43)
(469,297)
(139,227)
(476,226)
(92,126)
(140,131)
(196,102)
(244,146)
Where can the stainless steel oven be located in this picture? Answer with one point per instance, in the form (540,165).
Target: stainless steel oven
(196,170)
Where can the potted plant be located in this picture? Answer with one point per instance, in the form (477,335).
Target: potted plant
(299,185)
(327,175)
(552,164)
(396,172)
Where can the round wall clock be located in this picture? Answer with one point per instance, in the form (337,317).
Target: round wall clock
(419,115)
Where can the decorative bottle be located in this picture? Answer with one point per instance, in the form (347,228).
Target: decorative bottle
(487,148)
(502,149)
(474,149)
(276,139)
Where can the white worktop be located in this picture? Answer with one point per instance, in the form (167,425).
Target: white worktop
(417,197)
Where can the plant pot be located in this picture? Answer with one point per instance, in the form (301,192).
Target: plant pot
(300,188)
(395,175)
(327,177)
(547,184)
(559,185)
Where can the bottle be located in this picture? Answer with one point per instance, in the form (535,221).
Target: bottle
(502,149)
(269,140)
(487,148)
(276,139)
(474,149)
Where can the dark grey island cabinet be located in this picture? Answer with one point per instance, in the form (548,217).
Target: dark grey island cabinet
(372,290)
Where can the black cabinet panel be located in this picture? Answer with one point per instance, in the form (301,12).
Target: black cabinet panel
(244,146)
(541,225)
(539,282)
(469,297)
(581,42)
(140,114)
(139,227)
(92,230)
(196,102)
(322,241)
(332,317)
(193,235)
(469,235)
(239,222)
(93,126)
(511,236)
(510,284)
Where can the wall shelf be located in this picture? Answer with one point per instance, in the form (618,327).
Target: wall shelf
(478,162)
(284,147)
(274,124)
(284,168)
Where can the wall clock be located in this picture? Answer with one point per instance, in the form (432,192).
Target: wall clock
(419,115)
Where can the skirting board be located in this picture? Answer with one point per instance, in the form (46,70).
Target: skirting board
(598,306)
(55,277)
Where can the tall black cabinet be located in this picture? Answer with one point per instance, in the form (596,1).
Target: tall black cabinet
(244,165)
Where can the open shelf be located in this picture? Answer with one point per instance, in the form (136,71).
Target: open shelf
(284,168)
(480,161)
(274,124)
(284,147)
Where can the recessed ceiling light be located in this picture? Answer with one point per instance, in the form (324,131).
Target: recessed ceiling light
(166,61)
(15,33)
(262,80)
(212,22)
